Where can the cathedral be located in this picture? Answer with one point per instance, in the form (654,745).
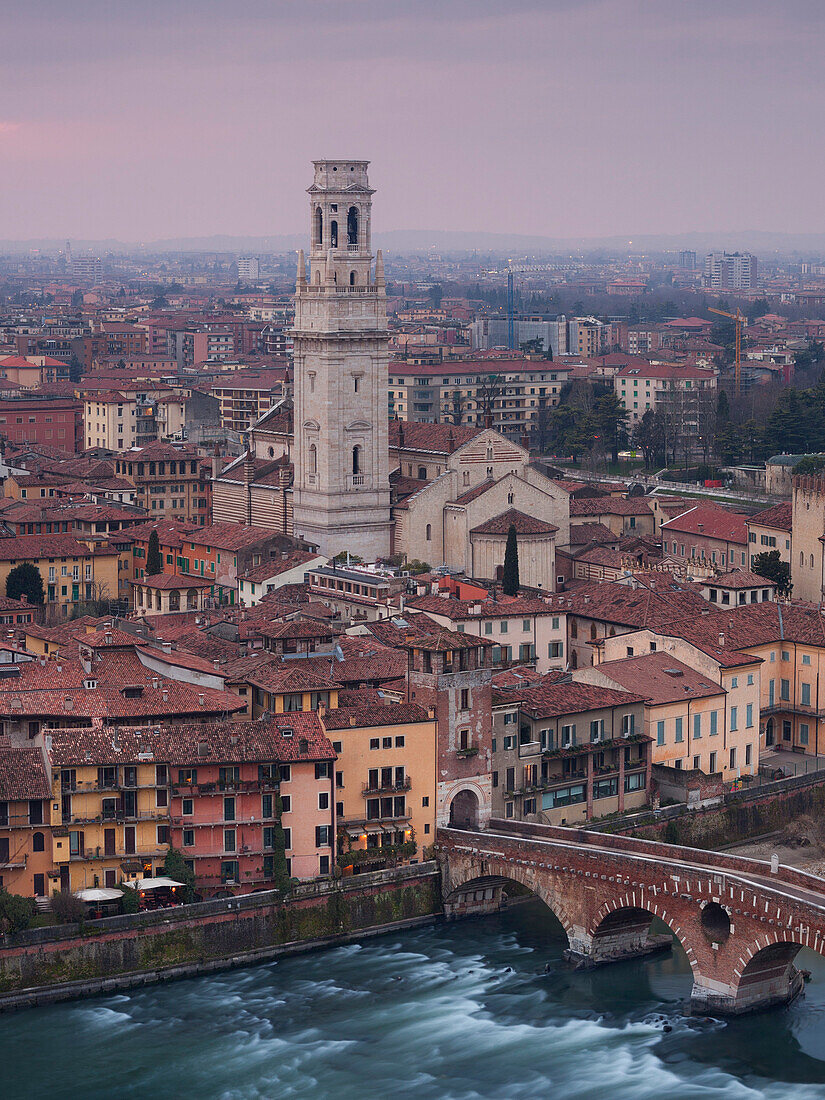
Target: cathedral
(330,468)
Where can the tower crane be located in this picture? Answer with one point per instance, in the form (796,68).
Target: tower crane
(738,319)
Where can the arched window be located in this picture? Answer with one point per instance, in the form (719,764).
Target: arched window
(352,278)
(801,558)
(317,277)
(333,234)
(466,477)
(356,460)
(313,459)
(510,498)
(574,629)
(429,532)
(592,632)
(422,473)
(38,843)
(271,452)
(352,225)
(812,561)
(319,226)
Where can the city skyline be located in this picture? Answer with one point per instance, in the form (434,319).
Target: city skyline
(563,120)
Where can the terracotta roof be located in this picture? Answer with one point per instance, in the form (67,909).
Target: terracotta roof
(478,491)
(609,506)
(780,516)
(739,578)
(659,678)
(22,774)
(437,438)
(583,533)
(524,525)
(166,581)
(268,570)
(419,631)
(388,714)
(292,675)
(550,701)
(295,628)
(504,607)
(710,521)
(197,744)
(40,547)
(231,536)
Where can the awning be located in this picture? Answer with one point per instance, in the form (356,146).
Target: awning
(142,884)
(99,894)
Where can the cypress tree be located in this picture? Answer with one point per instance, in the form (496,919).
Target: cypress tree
(154,562)
(509,578)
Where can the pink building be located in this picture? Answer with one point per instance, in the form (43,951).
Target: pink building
(233,784)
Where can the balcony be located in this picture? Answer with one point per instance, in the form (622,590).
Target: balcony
(369,791)
(357,480)
(464,753)
(383,819)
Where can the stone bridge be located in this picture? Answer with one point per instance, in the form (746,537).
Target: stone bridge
(740,921)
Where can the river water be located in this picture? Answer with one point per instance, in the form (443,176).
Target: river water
(477,1009)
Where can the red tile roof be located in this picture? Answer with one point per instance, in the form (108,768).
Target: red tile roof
(40,547)
(710,521)
(659,678)
(780,516)
(22,774)
(550,701)
(388,714)
(739,578)
(524,525)
(436,438)
(610,506)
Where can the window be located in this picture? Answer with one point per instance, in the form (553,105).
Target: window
(465,698)
(163,834)
(266,805)
(375,743)
(749,716)
(229,809)
(597,730)
(714,723)
(188,838)
(634,782)
(555,649)
(679,732)
(323,800)
(734,719)
(733,757)
(229,840)
(697,725)
(286,803)
(399,741)
(734,683)
(605,788)
(628,724)
(323,769)
(386,742)
(785,689)
(803,739)
(660,733)
(322,836)
(806,659)
(38,842)
(806,695)
(285,772)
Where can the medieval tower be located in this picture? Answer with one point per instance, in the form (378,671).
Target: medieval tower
(341,494)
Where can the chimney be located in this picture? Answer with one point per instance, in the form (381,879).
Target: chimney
(201,699)
(165,695)
(721,639)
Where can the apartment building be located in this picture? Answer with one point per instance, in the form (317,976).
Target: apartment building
(564,752)
(771,529)
(664,386)
(385,782)
(245,396)
(40,419)
(171,480)
(25,841)
(71,570)
(119,420)
(708,533)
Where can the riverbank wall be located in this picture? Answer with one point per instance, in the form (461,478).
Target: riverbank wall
(44,965)
(739,816)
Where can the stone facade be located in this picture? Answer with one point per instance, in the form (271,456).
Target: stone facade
(341,495)
(808,524)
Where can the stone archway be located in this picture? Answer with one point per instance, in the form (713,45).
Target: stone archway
(464,810)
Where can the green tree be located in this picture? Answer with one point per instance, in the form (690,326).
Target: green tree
(435,294)
(130,902)
(810,464)
(509,578)
(610,421)
(722,408)
(75,369)
(154,562)
(25,580)
(175,867)
(770,565)
(77,299)
(16,912)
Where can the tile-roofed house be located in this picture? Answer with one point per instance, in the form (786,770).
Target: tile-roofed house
(389,713)
(707,533)
(582,534)
(409,435)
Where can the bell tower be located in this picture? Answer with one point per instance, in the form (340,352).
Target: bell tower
(341,493)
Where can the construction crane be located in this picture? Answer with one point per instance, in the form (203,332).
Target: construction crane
(738,320)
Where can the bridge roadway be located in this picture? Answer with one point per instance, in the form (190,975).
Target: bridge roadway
(740,922)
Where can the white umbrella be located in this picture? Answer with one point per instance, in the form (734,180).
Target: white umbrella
(99,894)
(155,883)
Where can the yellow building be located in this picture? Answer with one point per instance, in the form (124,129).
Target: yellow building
(279,687)
(109,807)
(385,782)
(72,571)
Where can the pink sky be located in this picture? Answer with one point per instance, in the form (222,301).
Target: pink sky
(556,117)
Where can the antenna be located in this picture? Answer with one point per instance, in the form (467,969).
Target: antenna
(510,337)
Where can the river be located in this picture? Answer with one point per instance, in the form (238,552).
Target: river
(477,1009)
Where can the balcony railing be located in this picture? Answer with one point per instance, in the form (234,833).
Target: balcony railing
(357,480)
(391,788)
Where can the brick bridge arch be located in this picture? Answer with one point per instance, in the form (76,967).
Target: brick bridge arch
(740,925)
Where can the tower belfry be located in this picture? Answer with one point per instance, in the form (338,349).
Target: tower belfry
(341,493)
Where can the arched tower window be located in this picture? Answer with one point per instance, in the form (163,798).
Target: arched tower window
(313,459)
(333,234)
(429,532)
(319,226)
(352,225)
(352,278)
(356,460)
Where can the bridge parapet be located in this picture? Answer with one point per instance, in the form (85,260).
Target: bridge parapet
(740,926)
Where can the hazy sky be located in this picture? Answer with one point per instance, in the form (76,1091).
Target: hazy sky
(158,118)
